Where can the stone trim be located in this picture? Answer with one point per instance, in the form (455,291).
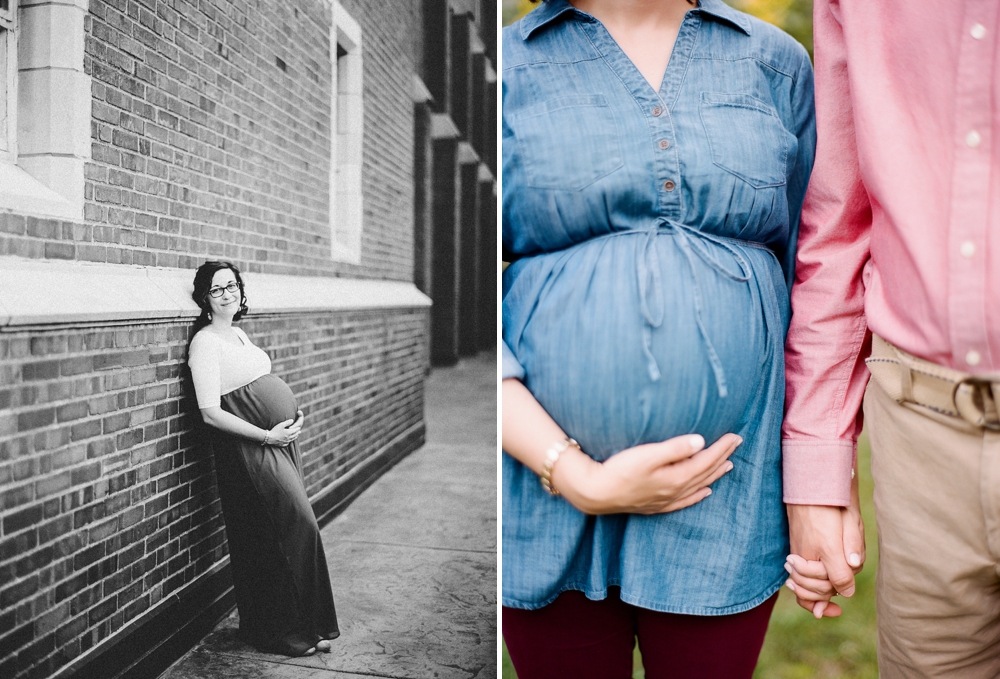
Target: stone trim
(443,127)
(476,44)
(45,292)
(346,137)
(466,154)
(419,92)
(52,112)
(485,175)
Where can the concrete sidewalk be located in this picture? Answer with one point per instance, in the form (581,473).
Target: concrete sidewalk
(413,559)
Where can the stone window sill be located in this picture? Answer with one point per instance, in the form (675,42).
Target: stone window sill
(22,193)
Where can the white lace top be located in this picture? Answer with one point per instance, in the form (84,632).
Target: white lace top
(219,367)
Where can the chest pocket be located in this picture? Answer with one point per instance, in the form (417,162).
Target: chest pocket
(568,142)
(747,138)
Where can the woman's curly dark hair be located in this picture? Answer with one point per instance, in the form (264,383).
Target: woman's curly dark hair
(203,283)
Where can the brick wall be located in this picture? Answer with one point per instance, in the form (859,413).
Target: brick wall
(108,499)
(210,138)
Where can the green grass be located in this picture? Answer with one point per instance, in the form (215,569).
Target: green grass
(799,647)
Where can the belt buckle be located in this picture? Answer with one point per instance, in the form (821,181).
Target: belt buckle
(975,403)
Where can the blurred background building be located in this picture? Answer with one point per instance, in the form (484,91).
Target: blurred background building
(342,154)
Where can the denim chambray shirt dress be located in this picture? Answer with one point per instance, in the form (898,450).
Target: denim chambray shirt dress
(652,240)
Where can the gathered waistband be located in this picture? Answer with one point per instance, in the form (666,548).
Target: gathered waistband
(670,226)
(691,242)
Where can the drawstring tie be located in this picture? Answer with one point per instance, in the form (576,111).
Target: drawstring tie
(651,288)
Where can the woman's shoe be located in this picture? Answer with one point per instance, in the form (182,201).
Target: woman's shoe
(324,645)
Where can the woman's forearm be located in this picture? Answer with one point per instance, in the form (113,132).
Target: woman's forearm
(230,424)
(527,433)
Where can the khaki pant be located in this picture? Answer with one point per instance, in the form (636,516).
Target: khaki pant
(937,502)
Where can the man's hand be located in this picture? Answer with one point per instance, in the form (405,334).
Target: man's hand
(828,549)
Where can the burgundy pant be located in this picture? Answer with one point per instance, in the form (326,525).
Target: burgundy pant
(577,638)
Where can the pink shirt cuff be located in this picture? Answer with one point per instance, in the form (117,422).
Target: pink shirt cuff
(817,472)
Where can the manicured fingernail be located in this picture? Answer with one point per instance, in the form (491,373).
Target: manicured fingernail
(848,592)
(788,567)
(709,492)
(739,440)
(819,608)
(854,560)
(729,466)
(790,584)
(697,442)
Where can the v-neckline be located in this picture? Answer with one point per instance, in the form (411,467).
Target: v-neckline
(671,66)
(663,74)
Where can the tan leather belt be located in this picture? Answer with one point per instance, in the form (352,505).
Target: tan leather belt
(908,379)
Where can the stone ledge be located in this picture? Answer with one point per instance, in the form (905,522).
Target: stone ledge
(47,292)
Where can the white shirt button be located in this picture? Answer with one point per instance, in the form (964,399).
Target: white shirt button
(972,139)
(973,357)
(978,31)
(968,249)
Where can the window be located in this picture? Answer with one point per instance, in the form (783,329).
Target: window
(45,106)
(346,134)
(8,61)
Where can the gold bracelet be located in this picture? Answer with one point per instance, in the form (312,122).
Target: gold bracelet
(551,457)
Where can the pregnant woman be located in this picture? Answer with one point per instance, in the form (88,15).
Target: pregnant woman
(279,568)
(655,158)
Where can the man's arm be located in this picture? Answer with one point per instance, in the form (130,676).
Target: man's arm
(828,337)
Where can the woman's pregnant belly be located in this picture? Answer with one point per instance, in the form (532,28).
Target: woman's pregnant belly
(580,323)
(264,402)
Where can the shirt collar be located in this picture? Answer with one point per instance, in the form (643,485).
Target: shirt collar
(549,11)
(721,10)
(544,14)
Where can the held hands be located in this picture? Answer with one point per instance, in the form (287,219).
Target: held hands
(648,479)
(285,432)
(828,550)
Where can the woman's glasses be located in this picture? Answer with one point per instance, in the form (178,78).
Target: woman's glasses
(216,292)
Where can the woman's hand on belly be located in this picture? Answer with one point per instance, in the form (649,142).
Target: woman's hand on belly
(647,479)
(280,434)
(283,433)
(652,478)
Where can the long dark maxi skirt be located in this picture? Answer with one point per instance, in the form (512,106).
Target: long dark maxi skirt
(276,555)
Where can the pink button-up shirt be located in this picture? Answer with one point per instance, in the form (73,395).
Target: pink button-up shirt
(900,231)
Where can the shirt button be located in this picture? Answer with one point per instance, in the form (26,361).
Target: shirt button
(657,111)
(669,185)
(972,139)
(972,358)
(968,249)
(664,144)
(978,31)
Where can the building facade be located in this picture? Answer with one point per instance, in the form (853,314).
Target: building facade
(342,154)
(455,133)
